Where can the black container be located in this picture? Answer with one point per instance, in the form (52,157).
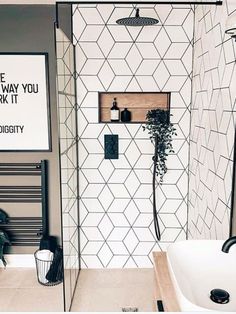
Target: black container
(125,115)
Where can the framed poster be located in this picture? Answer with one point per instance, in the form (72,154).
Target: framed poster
(24,102)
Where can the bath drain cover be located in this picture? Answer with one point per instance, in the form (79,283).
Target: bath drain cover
(219,296)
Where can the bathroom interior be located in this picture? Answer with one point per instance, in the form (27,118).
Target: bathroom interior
(130,240)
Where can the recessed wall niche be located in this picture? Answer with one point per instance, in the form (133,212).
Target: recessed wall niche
(138,103)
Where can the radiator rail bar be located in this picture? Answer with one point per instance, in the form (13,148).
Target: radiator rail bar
(25,231)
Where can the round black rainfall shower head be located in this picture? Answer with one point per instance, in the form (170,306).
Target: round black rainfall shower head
(137,20)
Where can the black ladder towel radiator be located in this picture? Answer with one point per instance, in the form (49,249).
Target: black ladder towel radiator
(25,231)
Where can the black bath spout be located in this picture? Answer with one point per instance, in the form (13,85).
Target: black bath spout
(228,243)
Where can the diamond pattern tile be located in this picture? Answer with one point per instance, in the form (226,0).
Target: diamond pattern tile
(120,67)
(134,58)
(131,241)
(120,83)
(91,15)
(93,204)
(176,50)
(148,50)
(212,134)
(118,233)
(162,42)
(177,17)
(144,220)
(106,198)
(131,212)
(118,248)
(105,255)
(105,42)
(119,176)
(147,67)
(138,59)
(106,169)
(132,153)
(91,33)
(91,67)
(106,75)
(78,20)
(119,50)
(119,34)
(105,226)
(161,75)
(91,50)
(132,183)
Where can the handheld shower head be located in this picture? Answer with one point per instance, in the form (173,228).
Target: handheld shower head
(137,20)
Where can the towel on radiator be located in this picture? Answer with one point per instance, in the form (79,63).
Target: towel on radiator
(55,272)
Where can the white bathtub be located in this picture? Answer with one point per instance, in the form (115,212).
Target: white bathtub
(197,267)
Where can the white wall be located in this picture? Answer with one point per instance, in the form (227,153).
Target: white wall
(212,123)
(116,195)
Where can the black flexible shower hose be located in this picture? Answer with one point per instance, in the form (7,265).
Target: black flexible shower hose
(155,217)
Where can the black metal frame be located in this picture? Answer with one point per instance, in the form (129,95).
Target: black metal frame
(190,2)
(45,54)
(26,231)
(60,177)
(233,189)
(77,158)
(77,152)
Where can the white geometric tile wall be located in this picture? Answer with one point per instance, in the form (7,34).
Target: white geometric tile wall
(116,195)
(212,124)
(67,111)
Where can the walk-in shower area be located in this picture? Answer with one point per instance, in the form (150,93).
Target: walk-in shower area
(181,49)
(141,157)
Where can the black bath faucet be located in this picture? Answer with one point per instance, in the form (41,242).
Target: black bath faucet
(228,243)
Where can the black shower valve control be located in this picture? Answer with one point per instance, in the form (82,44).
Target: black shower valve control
(111,146)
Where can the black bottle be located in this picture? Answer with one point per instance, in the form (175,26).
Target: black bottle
(115,112)
(125,115)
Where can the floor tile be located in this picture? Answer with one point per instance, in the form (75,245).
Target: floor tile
(109,290)
(21,292)
(11,277)
(7,296)
(46,299)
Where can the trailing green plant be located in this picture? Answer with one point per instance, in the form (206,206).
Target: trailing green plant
(160,130)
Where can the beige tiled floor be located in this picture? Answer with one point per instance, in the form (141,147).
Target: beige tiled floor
(97,290)
(20,292)
(109,290)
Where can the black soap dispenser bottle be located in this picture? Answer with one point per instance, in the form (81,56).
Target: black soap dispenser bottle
(115,112)
(125,115)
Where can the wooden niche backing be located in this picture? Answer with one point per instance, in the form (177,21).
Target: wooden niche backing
(138,103)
